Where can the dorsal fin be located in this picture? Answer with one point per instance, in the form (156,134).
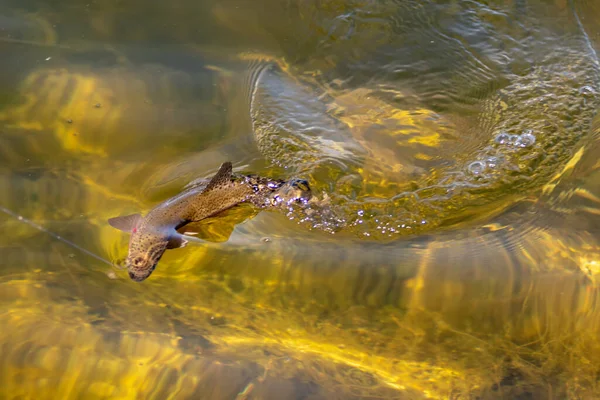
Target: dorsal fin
(125,223)
(222,176)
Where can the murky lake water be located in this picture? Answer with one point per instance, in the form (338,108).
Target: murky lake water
(453,143)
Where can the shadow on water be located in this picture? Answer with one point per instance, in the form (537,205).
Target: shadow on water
(108,109)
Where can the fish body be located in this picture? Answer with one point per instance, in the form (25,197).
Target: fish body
(153,234)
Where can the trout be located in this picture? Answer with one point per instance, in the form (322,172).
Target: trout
(153,234)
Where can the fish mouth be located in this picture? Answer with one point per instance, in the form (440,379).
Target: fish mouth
(139,275)
(136,278)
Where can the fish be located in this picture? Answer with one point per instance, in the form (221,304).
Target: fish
(160,229)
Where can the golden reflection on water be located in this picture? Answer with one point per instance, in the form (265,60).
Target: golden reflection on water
(74,331)
(506,309)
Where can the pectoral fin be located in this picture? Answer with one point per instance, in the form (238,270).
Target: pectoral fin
(219,228)
(126,223)
(176,241)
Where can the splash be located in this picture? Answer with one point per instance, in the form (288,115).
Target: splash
(401,157)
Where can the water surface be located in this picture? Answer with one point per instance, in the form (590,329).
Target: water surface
(455,143)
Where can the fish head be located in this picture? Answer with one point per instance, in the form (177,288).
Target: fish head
(145,251)
(146,246)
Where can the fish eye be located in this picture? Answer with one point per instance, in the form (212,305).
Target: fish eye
(138,261)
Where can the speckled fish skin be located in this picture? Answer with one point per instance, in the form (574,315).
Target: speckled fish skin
(153,234)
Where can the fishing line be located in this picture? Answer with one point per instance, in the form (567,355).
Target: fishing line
(54,235)
(586,38)
(32,43)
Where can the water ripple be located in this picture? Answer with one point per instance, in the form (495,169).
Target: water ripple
(527,92)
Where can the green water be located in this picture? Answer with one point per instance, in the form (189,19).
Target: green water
(453,143)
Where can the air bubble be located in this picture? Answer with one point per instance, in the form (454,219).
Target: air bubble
(477,167)
(527,139)
(492,162)
(502,138)
(587,91)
